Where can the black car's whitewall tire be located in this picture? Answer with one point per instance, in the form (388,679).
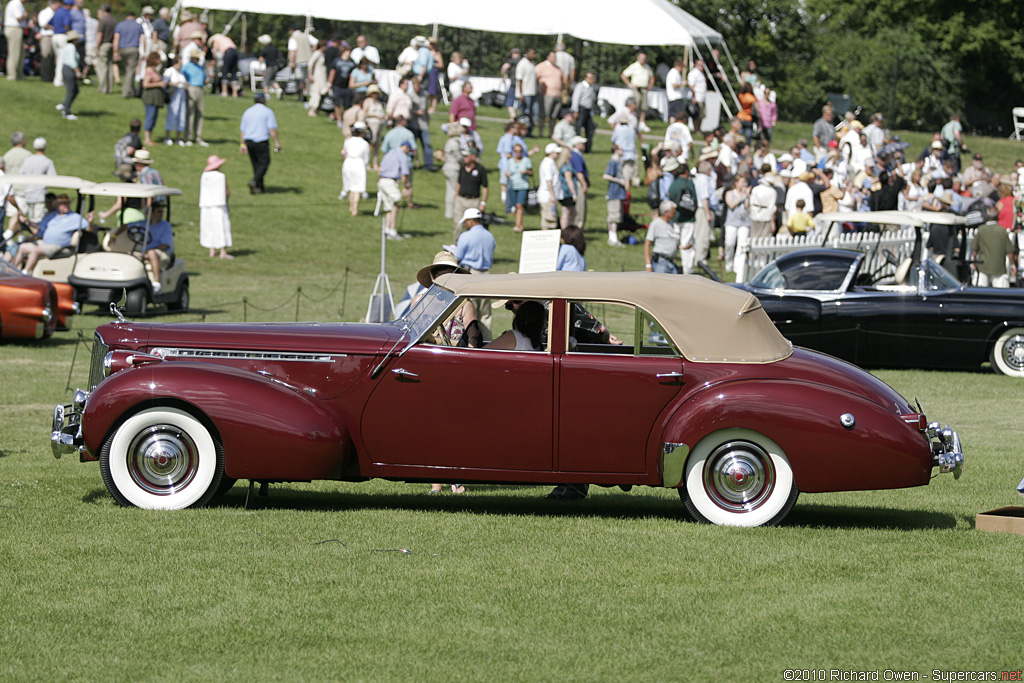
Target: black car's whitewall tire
(1008,353)
(162,458)
(738,477)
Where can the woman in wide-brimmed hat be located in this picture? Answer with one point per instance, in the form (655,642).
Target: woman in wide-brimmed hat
(462,329)
(214,220)
(374,114)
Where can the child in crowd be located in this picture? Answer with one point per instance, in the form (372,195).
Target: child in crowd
(800,222)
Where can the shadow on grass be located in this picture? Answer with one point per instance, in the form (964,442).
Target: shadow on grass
(50,342)
(846,517)
(93,113)
(275,189)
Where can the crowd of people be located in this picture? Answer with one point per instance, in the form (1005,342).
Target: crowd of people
(730,179)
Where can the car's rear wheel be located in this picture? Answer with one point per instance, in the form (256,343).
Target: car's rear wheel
(162,458)
(738,477)
(1007,355)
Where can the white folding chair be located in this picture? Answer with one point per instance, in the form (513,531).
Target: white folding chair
(1018,122)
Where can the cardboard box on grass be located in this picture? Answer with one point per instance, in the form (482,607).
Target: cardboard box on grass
(1008,519)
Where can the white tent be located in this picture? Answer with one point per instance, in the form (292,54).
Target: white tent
(643,22)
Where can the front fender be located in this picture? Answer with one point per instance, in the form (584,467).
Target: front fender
(881,451)
(268,430)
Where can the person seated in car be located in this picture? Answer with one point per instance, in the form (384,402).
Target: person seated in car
(527,333)
(52,238)
(159,248)
(462,329)
(22,224)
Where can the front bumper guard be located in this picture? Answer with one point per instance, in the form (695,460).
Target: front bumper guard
(66,436)
(947,453)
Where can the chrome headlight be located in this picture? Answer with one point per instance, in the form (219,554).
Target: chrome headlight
(47,315)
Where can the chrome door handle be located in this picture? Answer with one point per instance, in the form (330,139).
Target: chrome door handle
(669,375)
(405,374)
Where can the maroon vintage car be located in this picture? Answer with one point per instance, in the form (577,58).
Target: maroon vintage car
(720,406)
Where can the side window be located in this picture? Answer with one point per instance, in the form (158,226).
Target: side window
(615,329)
(488,323)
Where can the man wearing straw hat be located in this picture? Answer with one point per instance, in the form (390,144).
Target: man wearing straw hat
(71,72)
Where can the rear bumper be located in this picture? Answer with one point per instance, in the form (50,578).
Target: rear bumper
(105,291)
(947,453)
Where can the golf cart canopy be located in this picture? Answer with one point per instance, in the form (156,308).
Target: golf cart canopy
(59,182)
(129,190)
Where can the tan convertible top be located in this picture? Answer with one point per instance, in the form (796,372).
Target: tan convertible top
(708,321)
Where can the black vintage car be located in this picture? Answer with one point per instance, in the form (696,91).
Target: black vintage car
(924,317)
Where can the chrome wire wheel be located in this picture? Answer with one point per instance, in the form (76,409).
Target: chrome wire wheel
(738,477)
(1008,353)
(162,458)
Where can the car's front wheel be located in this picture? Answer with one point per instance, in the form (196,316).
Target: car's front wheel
(162,458)
(738,477)
(1008,353)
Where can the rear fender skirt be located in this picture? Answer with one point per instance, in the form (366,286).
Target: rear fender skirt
(880,451)
(268,430)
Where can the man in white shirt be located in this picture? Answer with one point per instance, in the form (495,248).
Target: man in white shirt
(15,16)
(567,63)
(698,83)
(364,49)
(674,89)
(300,49)
(639,77)
(526,87)
(678,137)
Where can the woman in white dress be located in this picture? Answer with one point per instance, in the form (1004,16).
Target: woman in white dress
(458,73)
(214,221)
(353,171)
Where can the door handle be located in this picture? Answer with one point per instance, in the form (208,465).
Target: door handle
(669,375)
(405,374)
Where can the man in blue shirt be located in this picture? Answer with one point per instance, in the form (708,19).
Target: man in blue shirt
(126,51)
(392,184)
(61,24)
(259,125)
(54,237)
(159,248)
(398,136)
(195,74)
(579,168)
(475,250)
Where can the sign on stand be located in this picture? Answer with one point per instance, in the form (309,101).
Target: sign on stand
(539,253)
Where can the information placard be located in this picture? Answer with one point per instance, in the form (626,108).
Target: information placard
(539,253)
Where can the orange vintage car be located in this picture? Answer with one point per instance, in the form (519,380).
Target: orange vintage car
(31,308)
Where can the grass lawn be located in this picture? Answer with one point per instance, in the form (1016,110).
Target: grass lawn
(500,584)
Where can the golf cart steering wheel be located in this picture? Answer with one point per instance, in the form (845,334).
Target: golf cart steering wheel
(137,234)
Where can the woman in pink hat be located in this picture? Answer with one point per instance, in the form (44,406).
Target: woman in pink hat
(214,221)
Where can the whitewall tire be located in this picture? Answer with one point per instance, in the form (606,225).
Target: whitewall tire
(738,477)
(162,459)
(1008,353)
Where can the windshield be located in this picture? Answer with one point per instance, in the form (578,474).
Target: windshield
(937,278)
(425,312)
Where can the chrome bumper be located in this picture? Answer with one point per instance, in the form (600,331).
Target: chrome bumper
(947,453)
(66,436)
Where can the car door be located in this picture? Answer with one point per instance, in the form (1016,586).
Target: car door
(610,396)
(444,407)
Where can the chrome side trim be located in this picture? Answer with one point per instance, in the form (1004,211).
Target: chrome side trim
(241,354)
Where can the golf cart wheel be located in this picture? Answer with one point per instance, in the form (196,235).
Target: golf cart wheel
(135,303)
(182,303)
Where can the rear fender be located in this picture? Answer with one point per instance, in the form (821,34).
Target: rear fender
(881,450)
(268,430)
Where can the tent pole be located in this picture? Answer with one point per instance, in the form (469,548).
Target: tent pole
(728,83)
(434,34)
(732,61)
(309,24)
(714,84)
(245,32)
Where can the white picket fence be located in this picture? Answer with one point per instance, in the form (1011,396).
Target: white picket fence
(758,252)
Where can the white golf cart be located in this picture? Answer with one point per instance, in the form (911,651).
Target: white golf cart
(101,277)
(60,266)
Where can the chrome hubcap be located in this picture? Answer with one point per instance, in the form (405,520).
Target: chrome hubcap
(739,476)
(163,460)
(1013,352)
